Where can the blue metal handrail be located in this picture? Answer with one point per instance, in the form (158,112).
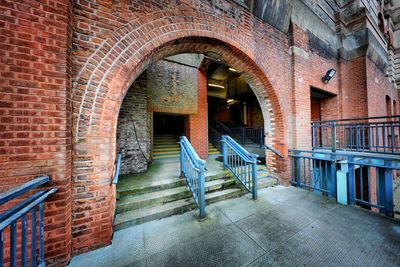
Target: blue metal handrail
(117,167)
(20,210)
(374,134)
(193,168)
(241,163)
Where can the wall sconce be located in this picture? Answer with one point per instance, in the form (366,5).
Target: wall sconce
(329,74)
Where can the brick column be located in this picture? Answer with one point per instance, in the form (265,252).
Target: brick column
(196,125)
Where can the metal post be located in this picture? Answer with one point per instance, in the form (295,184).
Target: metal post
(351,181)
(254,178)
(243,135)
(41,233)
(13,245)
(312,136)
(201,196)
(333,178)
(181,159)
(333,136)
(298,169)
(23,241)
(33,238)
(224,153)
(385,190)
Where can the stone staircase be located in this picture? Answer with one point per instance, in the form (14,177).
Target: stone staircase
(165,147)
(143,202)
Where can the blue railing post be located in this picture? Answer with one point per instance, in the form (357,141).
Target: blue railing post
(332,181)
(182,161)
(224,151)
(312,135)
(385,190)
(243,135)
(333,137)
(254,177)
(298,169)
(351,181)
(202,193)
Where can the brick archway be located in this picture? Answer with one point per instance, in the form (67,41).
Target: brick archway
(103,80)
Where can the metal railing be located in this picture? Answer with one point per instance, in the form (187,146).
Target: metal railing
(360,189)
(374,134)
(20,216)
(116,168)
(241,163)
(317,170)
(313,171)
(193,168)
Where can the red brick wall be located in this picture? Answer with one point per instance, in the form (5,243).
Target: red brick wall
(110,53)
(35,111)
(196,126)
(114,41)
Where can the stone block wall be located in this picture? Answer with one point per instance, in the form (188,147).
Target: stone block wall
(134,128)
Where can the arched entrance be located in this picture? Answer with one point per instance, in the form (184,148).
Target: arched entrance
(104,80)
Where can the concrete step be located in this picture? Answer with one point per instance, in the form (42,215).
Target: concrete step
(134,217)
(166,152)
(168,195)
(167,184)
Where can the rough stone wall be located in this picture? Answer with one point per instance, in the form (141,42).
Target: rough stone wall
(35,110)
(133,143)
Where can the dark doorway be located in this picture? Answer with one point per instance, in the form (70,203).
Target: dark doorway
(168,124)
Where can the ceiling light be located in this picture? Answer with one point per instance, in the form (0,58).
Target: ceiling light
(230,101)
(216,85)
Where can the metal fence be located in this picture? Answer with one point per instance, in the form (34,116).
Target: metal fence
(374,134)
(368,179)
(28,212)
(313,171)
(241,163)
(378,193)
(193,168)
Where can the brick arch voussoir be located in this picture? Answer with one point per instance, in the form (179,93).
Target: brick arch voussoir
(108,83)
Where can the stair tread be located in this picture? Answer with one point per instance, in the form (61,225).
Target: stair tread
(187,203)
(167,192)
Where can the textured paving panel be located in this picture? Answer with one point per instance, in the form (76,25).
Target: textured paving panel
(166,233)
(285,227)
(227,246)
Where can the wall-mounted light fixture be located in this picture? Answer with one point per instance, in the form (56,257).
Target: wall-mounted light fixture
(233,70)
(216,85)
(329,74)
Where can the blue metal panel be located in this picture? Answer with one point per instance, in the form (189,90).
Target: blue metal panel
(342,187)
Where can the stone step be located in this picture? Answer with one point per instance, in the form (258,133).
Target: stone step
(166,156)
(134,217)
(266,182)
(167,184)
(160,197)
(166,152)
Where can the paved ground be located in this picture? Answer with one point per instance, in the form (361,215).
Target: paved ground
(285,227)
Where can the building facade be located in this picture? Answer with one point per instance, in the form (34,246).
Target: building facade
(67,66)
